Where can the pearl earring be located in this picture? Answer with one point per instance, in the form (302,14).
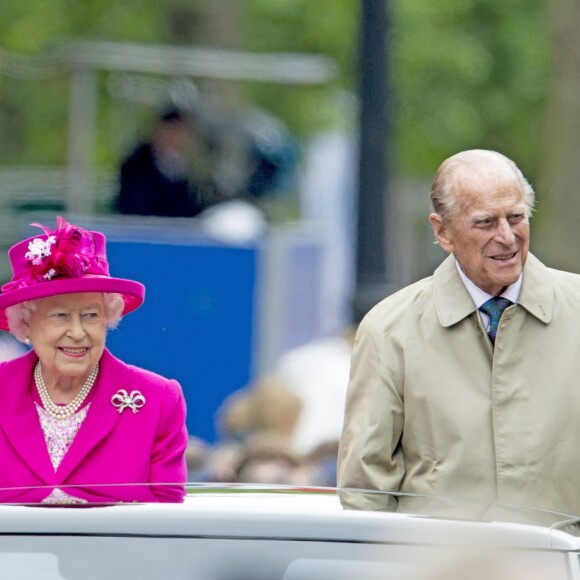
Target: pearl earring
(27,341)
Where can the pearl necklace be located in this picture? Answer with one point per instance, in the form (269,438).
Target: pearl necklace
(68,410)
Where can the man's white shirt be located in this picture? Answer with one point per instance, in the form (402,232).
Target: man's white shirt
(480,296)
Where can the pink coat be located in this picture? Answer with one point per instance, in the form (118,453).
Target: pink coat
(110,447)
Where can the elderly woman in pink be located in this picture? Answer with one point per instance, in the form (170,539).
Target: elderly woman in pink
(76,423)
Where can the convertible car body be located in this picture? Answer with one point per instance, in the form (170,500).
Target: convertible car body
(264,533)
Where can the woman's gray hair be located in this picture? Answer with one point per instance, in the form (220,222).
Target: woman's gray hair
(18,316)
(464,168)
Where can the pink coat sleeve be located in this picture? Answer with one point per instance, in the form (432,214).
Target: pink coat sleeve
(168,456)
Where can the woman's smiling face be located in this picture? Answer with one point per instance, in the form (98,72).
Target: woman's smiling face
(68,334)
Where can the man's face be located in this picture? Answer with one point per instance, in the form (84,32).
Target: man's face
(489,235)
(174,137)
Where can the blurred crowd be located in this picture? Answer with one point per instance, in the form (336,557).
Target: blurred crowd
(285,427)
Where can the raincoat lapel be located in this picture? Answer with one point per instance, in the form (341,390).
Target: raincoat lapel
(452,300)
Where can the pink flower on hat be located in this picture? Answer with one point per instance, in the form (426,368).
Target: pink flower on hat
(68,251)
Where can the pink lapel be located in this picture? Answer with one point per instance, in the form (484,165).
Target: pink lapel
(101,417)
(19,418)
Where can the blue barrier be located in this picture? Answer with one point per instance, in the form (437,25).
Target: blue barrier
(197,321)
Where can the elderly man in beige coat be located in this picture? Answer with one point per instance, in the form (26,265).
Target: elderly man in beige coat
(446,399)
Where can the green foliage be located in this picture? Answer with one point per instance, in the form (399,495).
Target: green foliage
(31,25)
(468,73)
(463,73)
(324,27)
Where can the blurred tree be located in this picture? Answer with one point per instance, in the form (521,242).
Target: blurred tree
(34,110)
(327,27)
(557,239)
(469,73)
(465,73)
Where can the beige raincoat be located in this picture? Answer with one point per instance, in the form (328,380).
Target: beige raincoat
(432,409)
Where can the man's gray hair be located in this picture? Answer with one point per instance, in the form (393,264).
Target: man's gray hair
(460,168)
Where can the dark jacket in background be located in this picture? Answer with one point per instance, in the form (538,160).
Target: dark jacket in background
(145,190)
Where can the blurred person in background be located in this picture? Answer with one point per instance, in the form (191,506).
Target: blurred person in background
(321,463)
(265,409)
(269,457)
(76,423)
(318,373)
(155,177)
(464,383)
(257,427)
(196,459)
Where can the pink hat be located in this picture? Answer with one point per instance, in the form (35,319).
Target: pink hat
(65,261)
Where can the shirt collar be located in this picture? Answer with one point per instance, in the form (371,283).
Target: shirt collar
(453,302)
(480,296)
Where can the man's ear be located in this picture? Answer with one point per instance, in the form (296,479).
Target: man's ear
(441,232)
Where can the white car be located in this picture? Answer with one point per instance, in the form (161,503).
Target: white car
(282,533)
